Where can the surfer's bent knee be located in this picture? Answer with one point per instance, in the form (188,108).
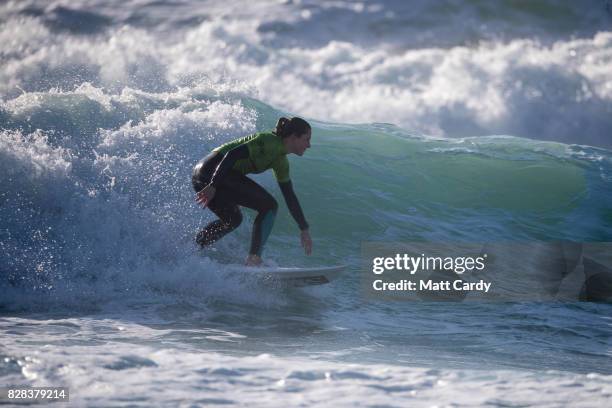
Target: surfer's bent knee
(270,204)
(234,221)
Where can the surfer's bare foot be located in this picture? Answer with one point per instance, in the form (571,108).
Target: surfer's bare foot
(253,260)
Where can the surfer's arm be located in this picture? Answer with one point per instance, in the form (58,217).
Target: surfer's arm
(293,204)
(237,153)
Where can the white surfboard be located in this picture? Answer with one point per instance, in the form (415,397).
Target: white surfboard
(293,276)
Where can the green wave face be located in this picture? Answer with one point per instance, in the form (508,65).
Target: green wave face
(376,182)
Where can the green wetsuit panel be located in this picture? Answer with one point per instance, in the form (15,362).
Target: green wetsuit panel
(266,150)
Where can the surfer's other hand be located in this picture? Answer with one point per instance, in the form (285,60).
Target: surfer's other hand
(206,194)
(306,241)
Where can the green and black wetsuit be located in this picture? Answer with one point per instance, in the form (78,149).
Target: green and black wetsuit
(226,168)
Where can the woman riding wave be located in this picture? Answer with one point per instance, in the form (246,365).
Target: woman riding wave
(220,182)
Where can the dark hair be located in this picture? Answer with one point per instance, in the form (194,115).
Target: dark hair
(287,127)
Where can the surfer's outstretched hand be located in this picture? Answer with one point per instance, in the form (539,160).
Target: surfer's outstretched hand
(206,194)
(306,242)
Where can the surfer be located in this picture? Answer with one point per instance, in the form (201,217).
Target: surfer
(221,184)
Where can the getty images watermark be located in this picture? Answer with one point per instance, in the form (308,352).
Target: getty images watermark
(527,271)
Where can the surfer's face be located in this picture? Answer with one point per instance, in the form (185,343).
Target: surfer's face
(302,143)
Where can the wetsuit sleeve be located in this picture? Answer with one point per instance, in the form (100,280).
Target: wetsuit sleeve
(237,153)
(280,168)
(293,204)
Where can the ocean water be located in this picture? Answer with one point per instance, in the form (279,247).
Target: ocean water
(452,121)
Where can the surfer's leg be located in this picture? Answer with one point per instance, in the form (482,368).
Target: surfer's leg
(222,205)
(230,218)
(262,226)
(247,193)
(225,208)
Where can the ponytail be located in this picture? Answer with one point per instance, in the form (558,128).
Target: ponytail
(287,127)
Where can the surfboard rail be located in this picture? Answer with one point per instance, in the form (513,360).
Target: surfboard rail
(294,276)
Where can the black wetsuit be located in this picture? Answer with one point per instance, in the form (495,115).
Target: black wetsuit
(226,168)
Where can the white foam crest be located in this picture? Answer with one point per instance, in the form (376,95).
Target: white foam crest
(22,36)
(556,92)
(31,101)
(128,56)
(167,126)
(31,156)
(544,90)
